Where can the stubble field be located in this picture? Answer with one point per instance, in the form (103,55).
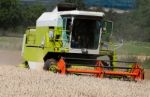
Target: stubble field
(17,82)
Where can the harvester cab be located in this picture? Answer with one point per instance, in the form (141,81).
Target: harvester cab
(67,38)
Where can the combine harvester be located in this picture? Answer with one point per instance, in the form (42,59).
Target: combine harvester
(69,41)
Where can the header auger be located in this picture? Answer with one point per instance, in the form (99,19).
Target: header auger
(66,38)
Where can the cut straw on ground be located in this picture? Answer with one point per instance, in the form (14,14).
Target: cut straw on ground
(18,82)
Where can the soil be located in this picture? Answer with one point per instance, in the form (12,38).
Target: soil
(8,57)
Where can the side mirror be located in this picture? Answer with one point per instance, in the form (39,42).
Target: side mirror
(107,29)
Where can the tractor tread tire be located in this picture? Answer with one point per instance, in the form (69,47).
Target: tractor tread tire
(48,63)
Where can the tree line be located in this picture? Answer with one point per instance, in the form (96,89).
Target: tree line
(132,25)
(13,13)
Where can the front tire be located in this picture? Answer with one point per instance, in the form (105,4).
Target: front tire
(49,63)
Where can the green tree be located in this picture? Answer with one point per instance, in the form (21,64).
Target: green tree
(10,15)
(31,13)
(142,19)
(132,25)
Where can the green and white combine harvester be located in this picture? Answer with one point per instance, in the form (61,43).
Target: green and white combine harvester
(67,41)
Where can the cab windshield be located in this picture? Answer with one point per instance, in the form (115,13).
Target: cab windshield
(85,33)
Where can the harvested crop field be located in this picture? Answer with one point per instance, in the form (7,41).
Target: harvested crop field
(18,82)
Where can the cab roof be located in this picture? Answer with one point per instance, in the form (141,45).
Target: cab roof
(54,18)
(82,13)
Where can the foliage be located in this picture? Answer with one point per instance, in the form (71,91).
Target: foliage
(13,13)
(9,13)
(31,13)
(132,25)
(142,18)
